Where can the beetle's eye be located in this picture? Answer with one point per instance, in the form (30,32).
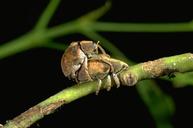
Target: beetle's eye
(95,49)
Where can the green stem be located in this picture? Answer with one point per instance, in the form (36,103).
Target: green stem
(55,45)
(37,38)
(135,73)
(142,27)
(34,39)
(160,105)
(63,29)
(164,66)
(80,26)
(95,14)
(47,14)
(20,44)
(49,105)
(39,35)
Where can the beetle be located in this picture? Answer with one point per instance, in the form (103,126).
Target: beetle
(87,61)
(105,67)
(76,55)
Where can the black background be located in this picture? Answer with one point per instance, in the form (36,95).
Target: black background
(32,76)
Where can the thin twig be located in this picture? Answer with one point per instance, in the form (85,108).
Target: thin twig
(151,69)
(47,14)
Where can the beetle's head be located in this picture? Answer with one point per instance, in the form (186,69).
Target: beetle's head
(91,48)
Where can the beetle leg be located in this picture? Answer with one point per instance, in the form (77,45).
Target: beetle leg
(100,48)
(122,69)
(116,79)
(108,83)
(98,86)
(114,75)
(82,73)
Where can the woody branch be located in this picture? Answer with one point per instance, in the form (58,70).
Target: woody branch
(147,70)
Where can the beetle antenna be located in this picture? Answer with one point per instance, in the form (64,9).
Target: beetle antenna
(101,49)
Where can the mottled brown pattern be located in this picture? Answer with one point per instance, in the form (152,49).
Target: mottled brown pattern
(152,68)
(157,68)
(98,69)
(128,79)
(26,119)
(72,56)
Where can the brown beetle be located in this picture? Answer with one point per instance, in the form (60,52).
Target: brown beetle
(87,61)
(76,55)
